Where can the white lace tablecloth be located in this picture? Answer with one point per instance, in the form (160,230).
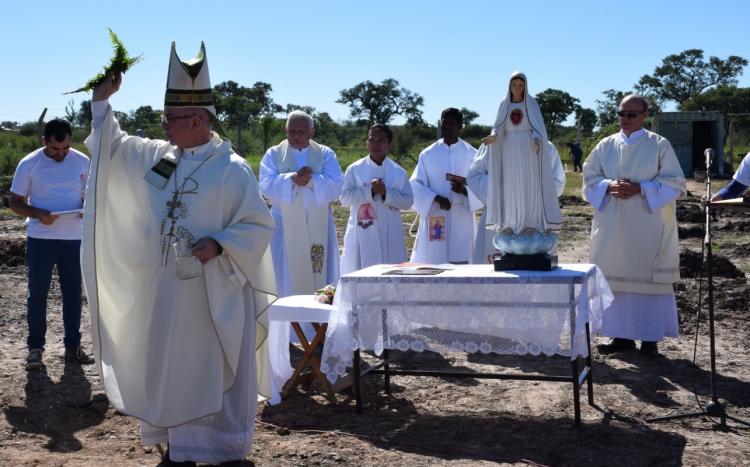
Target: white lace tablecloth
(471,308)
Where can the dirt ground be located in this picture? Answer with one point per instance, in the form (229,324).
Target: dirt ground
(60,416)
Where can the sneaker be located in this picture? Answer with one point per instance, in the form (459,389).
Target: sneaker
(617,344)
(649,348)
(78,355)
(34,360)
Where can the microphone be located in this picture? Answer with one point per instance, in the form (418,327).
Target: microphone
(709,155)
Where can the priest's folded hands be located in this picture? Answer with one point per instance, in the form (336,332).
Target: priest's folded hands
(623,189)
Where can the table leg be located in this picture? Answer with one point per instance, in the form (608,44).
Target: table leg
(357,388)
(576,389)
(590,376)
(386,368)
(293,381)
(574,361)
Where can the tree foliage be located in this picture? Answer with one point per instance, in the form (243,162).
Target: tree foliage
(469,116)
(556,106)
(607,107)
(587,119)
(240,106)
(380,103)
(687,74)
(726,99)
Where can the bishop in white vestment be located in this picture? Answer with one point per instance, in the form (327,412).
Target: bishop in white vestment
(376,190)
(632,179)
(446,207)
(178,273)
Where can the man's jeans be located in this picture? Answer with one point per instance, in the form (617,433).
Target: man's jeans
(41,256)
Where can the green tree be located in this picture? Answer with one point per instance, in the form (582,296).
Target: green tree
(469,116)
(379,103)
(587,119)
(240,107)
(556,106)
(687,74)
(147,119)
(607,107)
(71,114)
(83,117)
(726,99)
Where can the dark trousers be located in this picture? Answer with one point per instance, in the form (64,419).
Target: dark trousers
(577,164)
(41,257)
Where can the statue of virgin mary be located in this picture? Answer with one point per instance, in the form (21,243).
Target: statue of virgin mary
(522,205)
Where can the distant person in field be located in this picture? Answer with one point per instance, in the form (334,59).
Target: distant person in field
(376,190)
(632,179)
(576,154)
(441,195)
(739,183)
(49,180)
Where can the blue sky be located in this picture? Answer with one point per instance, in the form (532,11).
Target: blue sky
(452,53)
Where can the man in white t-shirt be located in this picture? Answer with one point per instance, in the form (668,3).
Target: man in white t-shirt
(48,189)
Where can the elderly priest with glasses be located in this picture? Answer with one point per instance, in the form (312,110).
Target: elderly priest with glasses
(632,179)
(178,273)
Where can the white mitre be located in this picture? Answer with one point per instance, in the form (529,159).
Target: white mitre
(189,85)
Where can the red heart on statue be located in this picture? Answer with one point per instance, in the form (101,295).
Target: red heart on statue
(516,116)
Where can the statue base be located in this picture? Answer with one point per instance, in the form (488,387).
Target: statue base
(538,262)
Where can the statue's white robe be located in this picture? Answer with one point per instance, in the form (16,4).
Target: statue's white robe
(379,240)
(178,354)
(478,182)
(634,240)
(427,181)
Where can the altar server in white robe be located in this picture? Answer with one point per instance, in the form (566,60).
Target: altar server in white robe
(478,181)
(301,178)
(178,273)
(632,179)
(376,189)
(446,207)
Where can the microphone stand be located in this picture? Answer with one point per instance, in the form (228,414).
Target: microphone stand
(714,408)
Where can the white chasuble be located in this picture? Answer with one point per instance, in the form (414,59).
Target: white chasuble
(634,240)
(177,353)
(374,231)
(443,236)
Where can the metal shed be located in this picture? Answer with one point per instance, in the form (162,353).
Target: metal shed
(691,133)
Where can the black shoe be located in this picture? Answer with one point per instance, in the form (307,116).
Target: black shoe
(78,355)
(617,344)
(166,462)
(649,348)
(34,359)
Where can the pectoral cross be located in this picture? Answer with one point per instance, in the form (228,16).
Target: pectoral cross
(173,205)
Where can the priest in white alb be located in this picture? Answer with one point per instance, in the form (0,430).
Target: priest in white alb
(376,190)
(632,180)
(178,273)
(446,207)
(301,179)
